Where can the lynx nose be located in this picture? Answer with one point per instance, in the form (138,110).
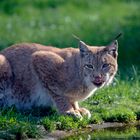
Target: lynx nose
(98,79)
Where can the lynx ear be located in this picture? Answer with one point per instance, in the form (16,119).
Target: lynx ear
(83,48)
(112,49)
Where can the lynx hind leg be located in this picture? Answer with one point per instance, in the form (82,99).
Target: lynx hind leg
(5,76)
(42,59)
(47,66)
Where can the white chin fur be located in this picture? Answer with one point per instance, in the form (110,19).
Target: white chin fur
(91,88)
(109,79)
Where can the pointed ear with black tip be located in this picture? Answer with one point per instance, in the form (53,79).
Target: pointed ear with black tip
(112,49)
(83,49)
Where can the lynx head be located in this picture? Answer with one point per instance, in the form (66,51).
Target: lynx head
(98,64)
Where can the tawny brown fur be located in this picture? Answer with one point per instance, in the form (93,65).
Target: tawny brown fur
(36,75)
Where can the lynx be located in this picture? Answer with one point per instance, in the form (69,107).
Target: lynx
(33,75)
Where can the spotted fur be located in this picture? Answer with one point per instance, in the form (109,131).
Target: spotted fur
(36,75)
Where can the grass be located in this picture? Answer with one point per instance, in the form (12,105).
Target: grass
(14,124)
(112,105)
(52,22)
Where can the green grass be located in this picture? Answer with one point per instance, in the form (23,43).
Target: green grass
(116,104)
(14,124)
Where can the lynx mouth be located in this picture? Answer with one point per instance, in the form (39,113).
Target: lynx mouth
(98,84)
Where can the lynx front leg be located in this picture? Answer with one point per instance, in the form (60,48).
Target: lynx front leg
(83,111)
(65,107)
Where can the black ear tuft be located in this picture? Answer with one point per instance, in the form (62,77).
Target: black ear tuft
(83,48)
(112,49)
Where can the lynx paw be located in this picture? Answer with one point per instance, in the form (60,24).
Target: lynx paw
(74,113)
(85,112)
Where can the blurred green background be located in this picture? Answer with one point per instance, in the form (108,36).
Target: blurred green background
(52,22)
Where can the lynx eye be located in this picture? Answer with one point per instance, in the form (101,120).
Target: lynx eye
(89,66)
(105,66)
